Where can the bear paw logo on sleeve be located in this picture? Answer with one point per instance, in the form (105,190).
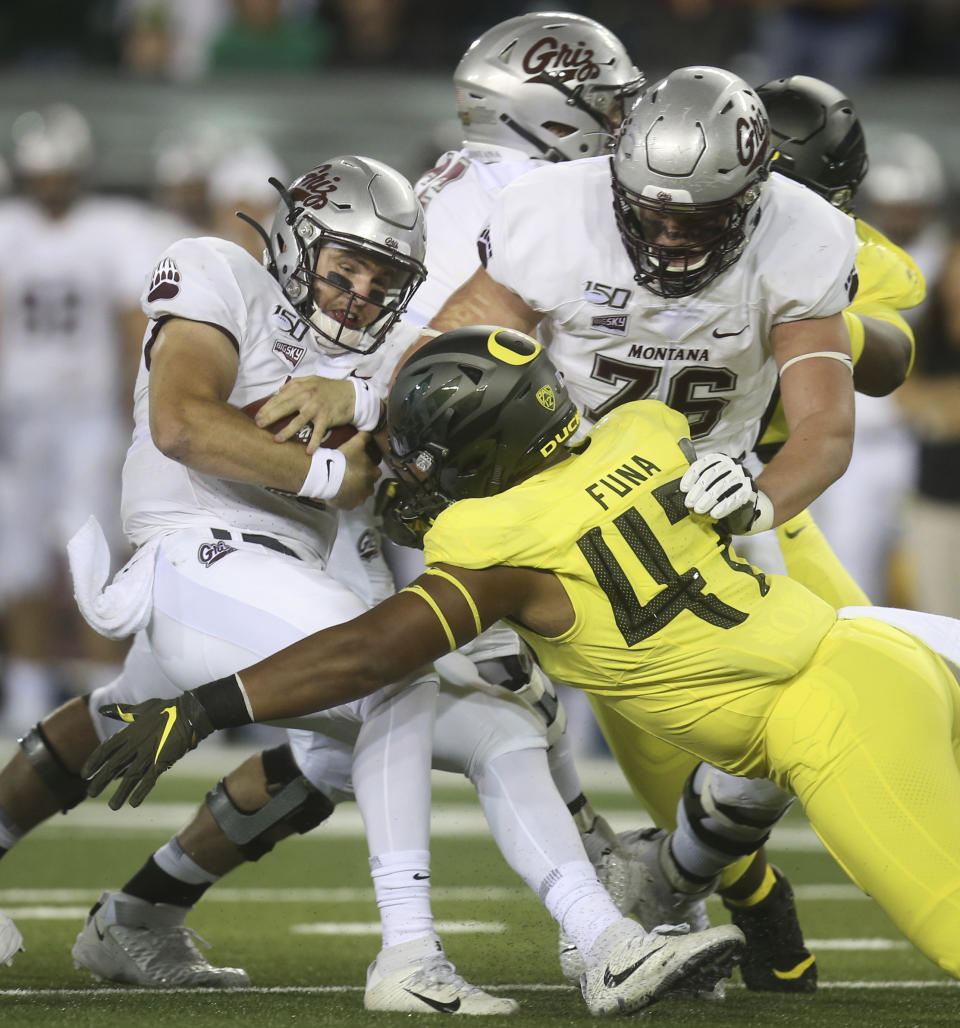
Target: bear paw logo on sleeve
(165,283)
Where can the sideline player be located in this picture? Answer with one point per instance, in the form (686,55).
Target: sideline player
(632,595)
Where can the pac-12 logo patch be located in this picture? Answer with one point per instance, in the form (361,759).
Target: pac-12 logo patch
(165,283)
(547,398)
(210,553)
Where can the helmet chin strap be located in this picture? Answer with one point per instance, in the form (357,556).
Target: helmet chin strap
(329,329)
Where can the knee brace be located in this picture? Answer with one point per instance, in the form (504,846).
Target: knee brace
(68,788)
(733,816)
(522,676)
(294,803)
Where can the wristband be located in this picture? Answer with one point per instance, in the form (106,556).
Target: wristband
(323,481)
(763,519)
(225,702)
(367,405)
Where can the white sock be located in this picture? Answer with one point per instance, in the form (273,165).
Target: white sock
(172,859)
(579,903)
(563,769)
(401,883)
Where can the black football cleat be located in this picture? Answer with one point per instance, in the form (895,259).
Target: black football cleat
(776,958)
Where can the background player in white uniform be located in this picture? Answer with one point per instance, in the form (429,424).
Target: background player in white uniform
(71,269)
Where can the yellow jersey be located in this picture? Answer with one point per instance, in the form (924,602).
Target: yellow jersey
(889,282)
(663,606)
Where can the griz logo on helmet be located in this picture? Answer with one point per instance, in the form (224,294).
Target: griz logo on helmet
(752,139)
(315,188)
(569,64)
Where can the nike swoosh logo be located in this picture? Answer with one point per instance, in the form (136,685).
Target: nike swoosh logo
(793,535)
(171,713)
(795,972)
(124,716)
(100,934)
(611,980)
(417,877)
(717,334)
(444,1008)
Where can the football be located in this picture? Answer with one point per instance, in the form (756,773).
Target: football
(335,436)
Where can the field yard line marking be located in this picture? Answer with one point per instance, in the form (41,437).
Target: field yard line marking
(310,990)
(312,894)
(375,928)
(856,944)
(353,894)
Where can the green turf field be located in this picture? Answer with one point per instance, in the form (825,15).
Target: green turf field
(303,923)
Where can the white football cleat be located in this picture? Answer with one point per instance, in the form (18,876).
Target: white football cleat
(11,941)
(142,943)
(646,968)
(417,977)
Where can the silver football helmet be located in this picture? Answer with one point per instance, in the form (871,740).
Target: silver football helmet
(689,166)
(355,204)
(552,84)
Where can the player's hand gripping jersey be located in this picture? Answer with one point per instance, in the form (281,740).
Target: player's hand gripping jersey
(217,282)
(706,355)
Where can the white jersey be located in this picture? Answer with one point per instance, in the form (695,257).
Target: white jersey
(553,240)
(62,283)
(217,282)
(456,196)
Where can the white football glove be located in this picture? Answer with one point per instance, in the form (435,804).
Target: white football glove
(716,485)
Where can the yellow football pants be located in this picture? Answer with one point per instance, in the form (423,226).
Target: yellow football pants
(868,737)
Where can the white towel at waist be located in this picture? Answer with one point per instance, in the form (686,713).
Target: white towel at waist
(941,634)
(124,606)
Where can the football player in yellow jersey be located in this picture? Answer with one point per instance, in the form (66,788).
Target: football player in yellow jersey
(597,557)
(820,143)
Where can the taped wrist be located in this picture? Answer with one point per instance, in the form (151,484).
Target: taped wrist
(323,481)
(367,406)
(225,702)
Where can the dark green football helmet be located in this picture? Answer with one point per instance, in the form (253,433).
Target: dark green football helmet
(817,137)
(471,413)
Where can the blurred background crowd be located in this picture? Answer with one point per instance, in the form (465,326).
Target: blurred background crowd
(125,124)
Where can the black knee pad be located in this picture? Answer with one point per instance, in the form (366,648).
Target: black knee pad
(67,787)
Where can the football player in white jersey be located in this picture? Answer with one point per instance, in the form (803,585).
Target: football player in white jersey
(71,270)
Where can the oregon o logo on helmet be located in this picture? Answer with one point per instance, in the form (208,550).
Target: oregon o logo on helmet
(751,140)
(567,63)
(315,187)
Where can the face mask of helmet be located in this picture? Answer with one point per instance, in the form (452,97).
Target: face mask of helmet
(349,206)
(687,172)
(472,413)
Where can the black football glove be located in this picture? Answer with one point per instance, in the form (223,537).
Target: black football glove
(158,734)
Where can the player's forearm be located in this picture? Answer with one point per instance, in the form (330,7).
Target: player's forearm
(218,440)
(813,458)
